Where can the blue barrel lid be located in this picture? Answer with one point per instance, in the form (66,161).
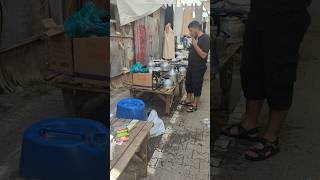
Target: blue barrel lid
(131,108)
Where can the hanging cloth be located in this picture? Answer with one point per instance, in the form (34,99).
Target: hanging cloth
(187,18)
(161,31)
(157,16)
(140,40)
(168,48)
(178,17)
(169,15)
(208,25)
(152,36)
(198,13)
(204,26)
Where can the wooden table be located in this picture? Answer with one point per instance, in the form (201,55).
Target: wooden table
(133,150)
(166,95)
(75,94)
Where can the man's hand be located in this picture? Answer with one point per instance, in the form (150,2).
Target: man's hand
(199,51)
(194,42)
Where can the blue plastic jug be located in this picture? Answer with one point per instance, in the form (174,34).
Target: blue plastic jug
(65,149)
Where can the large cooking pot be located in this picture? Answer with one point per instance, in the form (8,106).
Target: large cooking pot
(165,66)
(167,83)
(151,64)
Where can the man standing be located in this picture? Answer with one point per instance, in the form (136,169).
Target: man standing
(198,55)
(270,56)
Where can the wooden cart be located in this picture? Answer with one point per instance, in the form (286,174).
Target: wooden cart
(166,95)
(136,149)
(75,94)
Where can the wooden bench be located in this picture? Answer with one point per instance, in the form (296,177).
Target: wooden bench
(133,150)
(166,95)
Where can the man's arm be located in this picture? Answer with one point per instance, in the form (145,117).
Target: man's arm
(202,53)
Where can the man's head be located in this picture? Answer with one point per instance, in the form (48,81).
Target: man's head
(194,28)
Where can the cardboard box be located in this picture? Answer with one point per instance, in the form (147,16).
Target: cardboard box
(92,60)
(142,80)
(60,48)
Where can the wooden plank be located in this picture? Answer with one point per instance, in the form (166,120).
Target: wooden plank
(121,165)
(142,155)
(121,150)
(64,81)
(20,44)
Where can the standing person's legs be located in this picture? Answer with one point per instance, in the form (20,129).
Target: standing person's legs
(252,81)
(281,51)
(253,109)
(188,86)
(197,83)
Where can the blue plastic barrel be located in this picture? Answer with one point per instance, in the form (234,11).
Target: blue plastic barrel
(131,109)
(65,148)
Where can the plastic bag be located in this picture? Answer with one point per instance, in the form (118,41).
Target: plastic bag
(158,125)
(139,68)
(87,22)
(136,68)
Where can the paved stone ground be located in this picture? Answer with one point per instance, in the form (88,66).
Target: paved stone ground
(183,152)
(299,139)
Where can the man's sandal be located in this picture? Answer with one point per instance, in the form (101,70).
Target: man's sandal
(250,135)
(185,103)
(263,150)
(192,109)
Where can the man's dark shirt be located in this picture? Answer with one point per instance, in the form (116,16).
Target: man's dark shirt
(195,61)
(273,14)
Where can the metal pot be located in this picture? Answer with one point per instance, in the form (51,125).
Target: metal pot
(168,83)
(173,75)
(165,66)
(182,70)
(151,64)
(157,69)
